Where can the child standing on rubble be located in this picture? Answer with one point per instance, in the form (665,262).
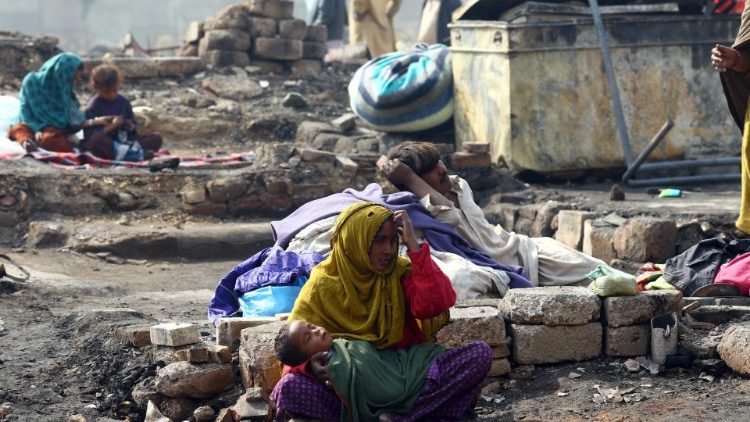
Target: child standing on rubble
(118,139)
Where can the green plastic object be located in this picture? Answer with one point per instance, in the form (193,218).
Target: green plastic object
(614,285)
(670,193)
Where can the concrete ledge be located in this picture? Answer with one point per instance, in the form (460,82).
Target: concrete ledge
(535,344)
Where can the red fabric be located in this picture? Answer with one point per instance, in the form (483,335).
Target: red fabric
(737,273)
(83,160)
(427,293)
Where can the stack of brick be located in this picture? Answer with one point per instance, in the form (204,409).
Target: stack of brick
(482,323)
(627,319)
(553,324)
(261,33)
(474,155)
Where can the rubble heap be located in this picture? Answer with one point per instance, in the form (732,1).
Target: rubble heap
(259,33)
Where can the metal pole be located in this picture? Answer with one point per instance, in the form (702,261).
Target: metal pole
(686,180)
(616,104)
(655,141)
(703,162)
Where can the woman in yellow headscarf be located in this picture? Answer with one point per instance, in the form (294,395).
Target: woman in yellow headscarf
(365,291)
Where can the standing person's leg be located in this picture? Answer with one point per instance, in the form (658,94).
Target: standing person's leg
(100,144)
(151,143)
(743,221)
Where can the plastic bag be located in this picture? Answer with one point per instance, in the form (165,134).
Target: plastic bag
(614,285)
(602,270)
(271,300)
(127,150)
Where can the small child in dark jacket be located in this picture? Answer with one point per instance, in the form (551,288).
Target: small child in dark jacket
(114,140)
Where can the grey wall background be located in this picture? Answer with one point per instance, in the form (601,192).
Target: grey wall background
(83,24)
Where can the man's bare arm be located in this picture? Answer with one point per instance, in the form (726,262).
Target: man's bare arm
(399,173)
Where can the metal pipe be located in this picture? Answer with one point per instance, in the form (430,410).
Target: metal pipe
(703,162)
(616,104)
(686,180)
(655,141)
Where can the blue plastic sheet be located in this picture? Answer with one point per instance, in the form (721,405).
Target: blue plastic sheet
(271,300)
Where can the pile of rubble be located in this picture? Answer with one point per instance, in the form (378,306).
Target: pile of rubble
(20,54)
(260,33)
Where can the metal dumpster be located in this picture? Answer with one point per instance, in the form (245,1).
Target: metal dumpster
(536,90)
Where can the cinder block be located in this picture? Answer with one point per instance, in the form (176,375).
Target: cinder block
(644,239)
(317,33)
(499,368)
(465,160)
(174,334)
(228,329)
(471,324)
(536,344)
(314,50)
(565,305)
(598,240)
(221,58)
(570,227)
(622,311)
(292,29)
(263,27)
(277,49)
(193,355)
(633,340)
(224,39)
(277,9)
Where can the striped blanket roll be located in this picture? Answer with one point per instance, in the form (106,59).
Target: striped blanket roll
(405,91)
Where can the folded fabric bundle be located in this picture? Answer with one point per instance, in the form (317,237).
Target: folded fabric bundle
(405,91)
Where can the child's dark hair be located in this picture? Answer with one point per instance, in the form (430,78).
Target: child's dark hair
(105,76)
(285,351)
(421,157)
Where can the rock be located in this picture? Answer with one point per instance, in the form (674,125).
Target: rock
(236,87)
(192,355)
(314,155)
(249,406)
(306,67)
(219,354)
(633,340)
(471,324)
(465,160)
(565,305)
(193,193)
(136,336)
(204,414)
(277,49)
(644,239)
(71,418)
(632,365)
(616,193)
(145,392)
(307,132)
(277,9)
(501,351)
(734,348)
(224,39)
(545,217)
(294,100)
(499,368)
(258,362)
(293,29)
(174,334)
(154,415)
(194,32)
(263,27)
(224,189)
(183,379)
(228,329)
(314,50)
(221,58)
(476,147)
(619,311)
(178,409)
(43,234)
(347,165)
(267,66)
(227,415)
(491,388)
(235,16)
(688,235)
(345,122)
(570,227)
(317,33)
(537,344)
(597,240)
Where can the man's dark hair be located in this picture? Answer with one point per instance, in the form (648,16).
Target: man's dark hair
(421,157)
(285,351)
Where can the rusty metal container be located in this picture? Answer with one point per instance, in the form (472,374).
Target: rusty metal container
(536,90)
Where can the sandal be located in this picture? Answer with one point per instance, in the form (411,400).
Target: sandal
(717,290)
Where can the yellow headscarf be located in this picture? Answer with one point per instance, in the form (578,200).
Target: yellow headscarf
(345,295)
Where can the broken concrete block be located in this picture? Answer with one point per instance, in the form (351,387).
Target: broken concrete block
(632,340)
(314,50)
(228,329)
(136,336)
(570,227)
(278,9)
(535,344)
(177,408)
(192,355)
(258,362)
(566,305)
(224,39)
(174,334)
(471,324)
(638,309)
(221,58)
(277,49)
(476,147)
(172,67)
(501,351)
(219,354)
(204,414)
(598,240)
(347,165)
(314,155)
(183,379)
(465,160)
(734,348)
(234,16)
(263,27)
(249,407)
(194,32)
(292,29)
(306,67)
(317,33)
(44,234)
(345,122)
(644,239)
(499,368)
(224,189)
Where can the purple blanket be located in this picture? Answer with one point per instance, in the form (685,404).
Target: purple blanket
(441,236)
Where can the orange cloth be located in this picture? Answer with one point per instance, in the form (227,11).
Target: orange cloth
(52,139)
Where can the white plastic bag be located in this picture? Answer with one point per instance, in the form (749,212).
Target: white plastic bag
(8,111)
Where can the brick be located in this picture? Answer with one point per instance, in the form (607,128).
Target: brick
(306,67)
(183,379)
(465,160)
(314,50)
(224,189)
(277,49)
(278,9)
(258,357)
(347,165)
(234,16)
(345,122)
(597,240)
(570,227)
(221,58)
(499,368)
(219,354)
(314,155)
(646,239)
(734,348)
(263,27)
(174,334)
(619,311)
(136,336)
(537,344)
(317,33)
(476,147)
(471,324)
(632,340)
(565,305)
(228,329)
(194,32)
(292,29)
(192,355)
(224,39)
(501,351)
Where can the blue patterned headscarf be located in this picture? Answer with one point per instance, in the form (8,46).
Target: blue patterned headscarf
(47,95)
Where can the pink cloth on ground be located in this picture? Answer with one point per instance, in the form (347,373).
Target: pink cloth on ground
(737,273)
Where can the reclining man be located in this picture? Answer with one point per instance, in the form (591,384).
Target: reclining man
(417,167)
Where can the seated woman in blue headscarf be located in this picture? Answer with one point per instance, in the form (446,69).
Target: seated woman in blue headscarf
(50,112)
